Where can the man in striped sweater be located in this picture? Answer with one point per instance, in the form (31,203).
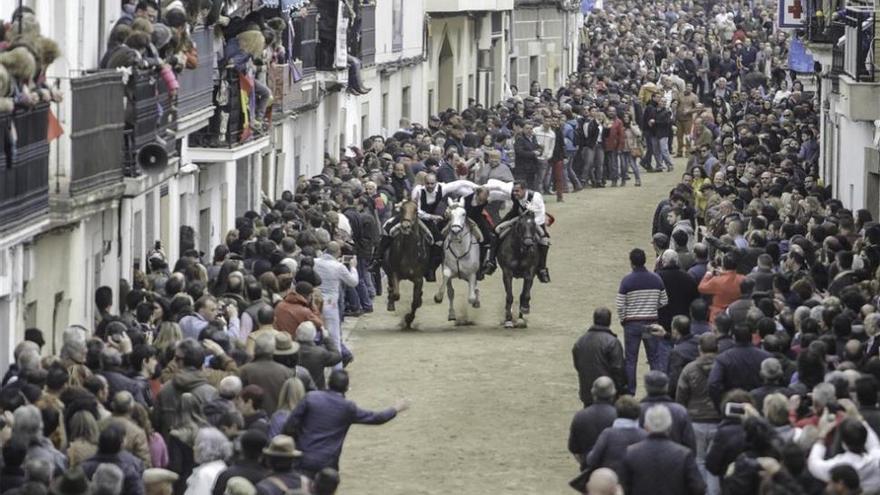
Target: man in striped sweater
(640,295)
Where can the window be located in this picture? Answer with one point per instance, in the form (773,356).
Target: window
(472,90)
(430,102)
(458,96)
(405,102)
(385,110)
(534,70)
(513,77)
(397,25)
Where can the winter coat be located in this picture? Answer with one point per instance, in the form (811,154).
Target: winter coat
(692,390)
(681,291)
(738,367)
(729,442)
(615,140)
(610,448)
(315,358)
(587,425)
(268,375)
(685,350)
(168,401)
(660,466)
(596,353)
(292,311)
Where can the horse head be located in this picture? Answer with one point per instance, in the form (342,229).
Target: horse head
(526,229)
(408,212)
(457,216)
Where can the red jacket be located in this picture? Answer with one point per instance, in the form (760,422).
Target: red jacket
(724,289)
(616,139)
(292,311)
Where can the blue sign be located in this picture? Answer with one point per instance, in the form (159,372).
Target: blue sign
(587,6)
(798,58)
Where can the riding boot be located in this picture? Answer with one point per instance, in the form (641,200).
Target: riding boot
(490,265)
(543,274)
(436,256)
(379,254)
(484,250)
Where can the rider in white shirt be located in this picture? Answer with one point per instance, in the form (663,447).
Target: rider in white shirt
(523,199)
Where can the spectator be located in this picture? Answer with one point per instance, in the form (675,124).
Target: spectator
(598,353)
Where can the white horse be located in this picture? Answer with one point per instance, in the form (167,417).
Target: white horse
(461,258)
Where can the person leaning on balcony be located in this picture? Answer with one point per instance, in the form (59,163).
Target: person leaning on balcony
(244,48)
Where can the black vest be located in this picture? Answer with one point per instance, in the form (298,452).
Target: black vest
(423,201)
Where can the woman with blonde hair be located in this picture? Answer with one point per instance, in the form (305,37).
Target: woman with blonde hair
(158,448)
(169,335)
(292,392)
(83,436)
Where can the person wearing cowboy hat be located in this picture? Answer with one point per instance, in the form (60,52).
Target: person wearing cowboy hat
(158,481)
(281,456)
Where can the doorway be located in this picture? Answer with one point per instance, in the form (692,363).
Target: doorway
(445,75)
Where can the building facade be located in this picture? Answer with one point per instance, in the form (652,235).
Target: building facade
(849,88)
(85,209)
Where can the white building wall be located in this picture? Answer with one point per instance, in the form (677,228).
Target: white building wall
(854,137)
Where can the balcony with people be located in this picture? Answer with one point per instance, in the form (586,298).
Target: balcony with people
(25,121)
(822,25)
(279,58)
(856,60)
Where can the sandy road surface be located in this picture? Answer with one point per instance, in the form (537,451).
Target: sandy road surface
(491,407)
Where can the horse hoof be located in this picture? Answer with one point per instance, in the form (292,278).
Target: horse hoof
(524,310)
(451,317)
(390,306)
(521,323)
(508,324)
(408,319)
(438,298)
(476,304)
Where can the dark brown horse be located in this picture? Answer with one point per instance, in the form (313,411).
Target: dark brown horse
(408,257)
(518,258)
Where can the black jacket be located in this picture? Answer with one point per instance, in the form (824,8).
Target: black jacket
(660,466)
(526,153)
(252,471)
(685,351)
(681,290)
(729,442)
(597,353)
(738,367)
(587,424)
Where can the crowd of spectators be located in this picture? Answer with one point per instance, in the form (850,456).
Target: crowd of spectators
(758,310)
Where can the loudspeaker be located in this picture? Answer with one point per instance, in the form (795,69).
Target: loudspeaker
(152,158)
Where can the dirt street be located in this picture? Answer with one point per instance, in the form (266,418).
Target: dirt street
(491,407)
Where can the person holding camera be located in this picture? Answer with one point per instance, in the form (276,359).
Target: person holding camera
(334,274)
(208,310)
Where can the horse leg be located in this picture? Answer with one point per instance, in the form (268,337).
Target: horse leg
(508,302)
(451,293)
(474,294)
(416,302)
(393,287)
(438,297)
(525,296)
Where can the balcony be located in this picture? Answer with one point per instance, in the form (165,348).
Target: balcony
(859,82)
(819,26)
(305,43)
(97,123)
(24,166)
(149,118)
(859,61)
(195,99)
(227,127)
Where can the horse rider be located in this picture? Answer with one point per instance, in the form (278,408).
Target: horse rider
(475,205)
(523,199)
(431,208)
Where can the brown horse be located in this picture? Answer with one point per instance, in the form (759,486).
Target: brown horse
(408,257)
